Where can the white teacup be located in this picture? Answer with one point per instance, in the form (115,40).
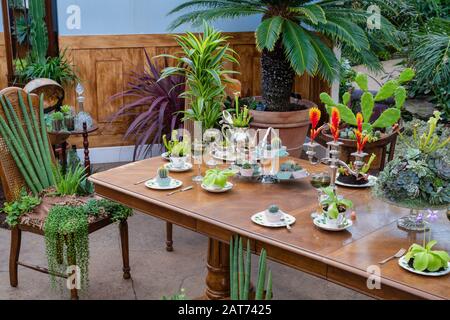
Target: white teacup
(335,223)
(273,217)
(178,162)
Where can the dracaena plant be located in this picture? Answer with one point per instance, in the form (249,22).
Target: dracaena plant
(392,88)
(294,37)
(153,105)
(202,61)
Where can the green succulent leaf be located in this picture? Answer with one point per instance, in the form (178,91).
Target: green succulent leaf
(347,114)
(400,97)
(346,98)
(421,261)
(443,255)
(407,75)
(388,118)
(387,90)
(367,105)
(326,99)
(333,211)
(434,262)
(362,82)
(431,244)
(347,203)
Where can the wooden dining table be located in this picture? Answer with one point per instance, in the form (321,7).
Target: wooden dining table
(348,258)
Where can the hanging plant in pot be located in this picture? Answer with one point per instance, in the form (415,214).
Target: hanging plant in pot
(294,38)
(378,131)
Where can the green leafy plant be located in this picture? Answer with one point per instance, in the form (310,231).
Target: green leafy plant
(24,204)
(217,177)
(67,241)
(67,235)
(181,149)
(203,64)
(27,142)
(241,119)
(240,273)
(67,110)
(362,171)
(68,183)
(423,258)
(392,88)
(293,38)
(175,144)
(57,116)
(333,205)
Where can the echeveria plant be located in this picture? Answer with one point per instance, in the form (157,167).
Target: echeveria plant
(217,177)
(388,118)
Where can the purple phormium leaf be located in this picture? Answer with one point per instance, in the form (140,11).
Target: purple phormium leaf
(153,104)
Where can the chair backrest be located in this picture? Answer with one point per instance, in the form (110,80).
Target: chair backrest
(12,180)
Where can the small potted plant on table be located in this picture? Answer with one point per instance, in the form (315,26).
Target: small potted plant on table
(334,208)
(69,118)
(57,121)
(216,180)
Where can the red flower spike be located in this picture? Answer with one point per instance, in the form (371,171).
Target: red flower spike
(314,116)
(359,121)
(334,123)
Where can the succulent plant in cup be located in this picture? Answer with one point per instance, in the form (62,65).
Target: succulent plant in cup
(57,121)
(163,177)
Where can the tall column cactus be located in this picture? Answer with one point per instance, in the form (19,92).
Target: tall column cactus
(39,32)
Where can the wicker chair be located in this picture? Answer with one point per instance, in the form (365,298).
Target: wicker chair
(13,182)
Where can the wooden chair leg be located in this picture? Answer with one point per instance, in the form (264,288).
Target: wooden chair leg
(123,226)
(169,239)
(16,239)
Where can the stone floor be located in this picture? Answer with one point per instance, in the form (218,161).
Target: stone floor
(155,272)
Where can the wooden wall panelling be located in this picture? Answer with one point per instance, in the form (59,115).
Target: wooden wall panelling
(104,64)
(3,63)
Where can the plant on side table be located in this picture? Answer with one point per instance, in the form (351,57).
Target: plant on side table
(69,117)
(295,38)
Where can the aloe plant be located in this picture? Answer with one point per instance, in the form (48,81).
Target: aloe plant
(389,117)
(240,273)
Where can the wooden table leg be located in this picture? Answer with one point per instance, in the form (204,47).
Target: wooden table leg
(87,161)
(218,265)
(16,238)
(169,238)
(64,156)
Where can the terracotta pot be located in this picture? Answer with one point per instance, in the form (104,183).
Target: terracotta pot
(293,126)
(378,148)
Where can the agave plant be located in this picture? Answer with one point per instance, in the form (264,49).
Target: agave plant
(155,105)
(292,37)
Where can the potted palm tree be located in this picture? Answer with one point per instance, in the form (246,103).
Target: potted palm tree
(294,37)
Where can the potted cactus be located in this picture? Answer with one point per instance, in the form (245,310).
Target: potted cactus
(57,121)
(289,170)
(247,170)
(379,130)
(69,118)
(273,214)
(162,177)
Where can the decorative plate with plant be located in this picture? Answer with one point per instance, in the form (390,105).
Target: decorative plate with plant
(291,170)
(216,178)
(421,258)
(420,176)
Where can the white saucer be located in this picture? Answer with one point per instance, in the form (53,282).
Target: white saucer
(166,156)
(404,264)
(174,184)
(372,181)
(260,218)
(319,222)
(212,189)
(223,156)
(187,166)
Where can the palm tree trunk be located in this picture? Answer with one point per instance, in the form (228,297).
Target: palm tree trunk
(277,79)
